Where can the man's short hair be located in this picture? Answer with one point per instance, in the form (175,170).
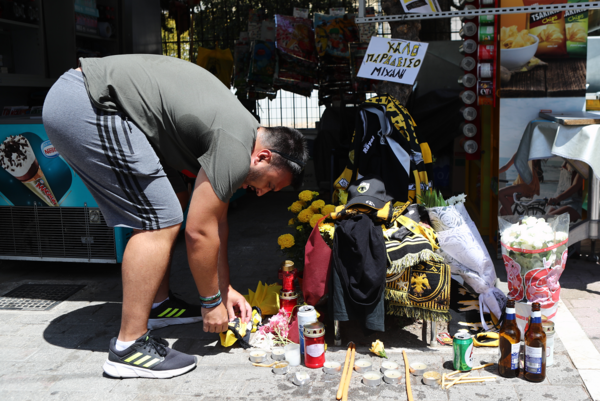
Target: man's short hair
(290,151)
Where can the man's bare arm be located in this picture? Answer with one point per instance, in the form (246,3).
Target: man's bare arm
(203,244)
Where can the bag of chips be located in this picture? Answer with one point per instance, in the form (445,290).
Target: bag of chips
(576,22)
(549,27)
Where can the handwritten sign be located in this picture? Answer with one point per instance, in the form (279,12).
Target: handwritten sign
(393,60)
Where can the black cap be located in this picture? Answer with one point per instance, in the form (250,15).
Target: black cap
(368,191)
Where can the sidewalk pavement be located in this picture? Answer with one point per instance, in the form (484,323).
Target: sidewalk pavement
(58,354)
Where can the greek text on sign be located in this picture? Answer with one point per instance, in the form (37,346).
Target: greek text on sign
(393,60)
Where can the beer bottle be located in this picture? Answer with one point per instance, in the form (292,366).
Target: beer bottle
(510,343)
(535,347)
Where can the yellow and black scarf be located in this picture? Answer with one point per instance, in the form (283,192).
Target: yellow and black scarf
(371,154)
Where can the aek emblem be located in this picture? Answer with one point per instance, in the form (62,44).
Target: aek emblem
(362,188)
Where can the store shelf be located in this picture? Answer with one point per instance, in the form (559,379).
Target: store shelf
(18,23)
(25,80)
(475,12)
(92,36)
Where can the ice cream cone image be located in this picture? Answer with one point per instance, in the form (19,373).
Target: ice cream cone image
(18,159)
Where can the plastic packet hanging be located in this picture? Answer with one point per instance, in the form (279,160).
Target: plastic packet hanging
(263,63)
(295,38)
(333,35)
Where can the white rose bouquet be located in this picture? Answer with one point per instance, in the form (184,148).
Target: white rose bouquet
(535,253)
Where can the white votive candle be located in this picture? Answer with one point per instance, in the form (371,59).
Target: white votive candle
(392,376)
(257,356)
(331,367)
(372,378)
(292,354)
(388,365)
(418,368)
(362,365)
(278,353)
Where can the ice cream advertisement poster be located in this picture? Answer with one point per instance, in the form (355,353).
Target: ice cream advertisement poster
(33,171)
(393,60)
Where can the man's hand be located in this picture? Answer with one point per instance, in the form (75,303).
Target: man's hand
(215,319)
(234,300)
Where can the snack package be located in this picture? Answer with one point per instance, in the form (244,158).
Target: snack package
(576,23)
(549,27)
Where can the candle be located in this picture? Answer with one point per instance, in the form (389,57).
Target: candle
(281,368)
(292,354)
(372,378)
(331,367)
(301,378)
(362,365)
(418,368)
(388,365)
(392,376)
(258,356)
(431,378)
(278,353)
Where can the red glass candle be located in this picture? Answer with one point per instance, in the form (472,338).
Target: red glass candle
(314,345)
(288,301)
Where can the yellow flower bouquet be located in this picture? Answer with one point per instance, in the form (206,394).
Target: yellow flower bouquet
(307,211)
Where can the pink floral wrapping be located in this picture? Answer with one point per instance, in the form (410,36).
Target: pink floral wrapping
(535,254)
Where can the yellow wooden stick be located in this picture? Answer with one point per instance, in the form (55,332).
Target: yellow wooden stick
(456,380)
(406,369)
(483,366)
(346,364)
(349,375)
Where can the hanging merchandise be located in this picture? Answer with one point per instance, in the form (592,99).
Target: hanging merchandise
(217,61)
(295,44)
(357,54)
(241,65)
(263,64)
(333,34)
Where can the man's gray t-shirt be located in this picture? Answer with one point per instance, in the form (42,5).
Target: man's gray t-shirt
(189,116)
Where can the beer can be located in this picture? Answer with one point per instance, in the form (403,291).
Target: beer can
(468,63)
(485,70)
(468,80)
(486,52)
(487,3)
(487,34)
(487,19)
(469,46)
(468,129)
(468,29)
(468,97)
(469,113)
(306,314)
(463,349)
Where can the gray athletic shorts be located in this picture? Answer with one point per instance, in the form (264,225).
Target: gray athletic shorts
(113,158)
